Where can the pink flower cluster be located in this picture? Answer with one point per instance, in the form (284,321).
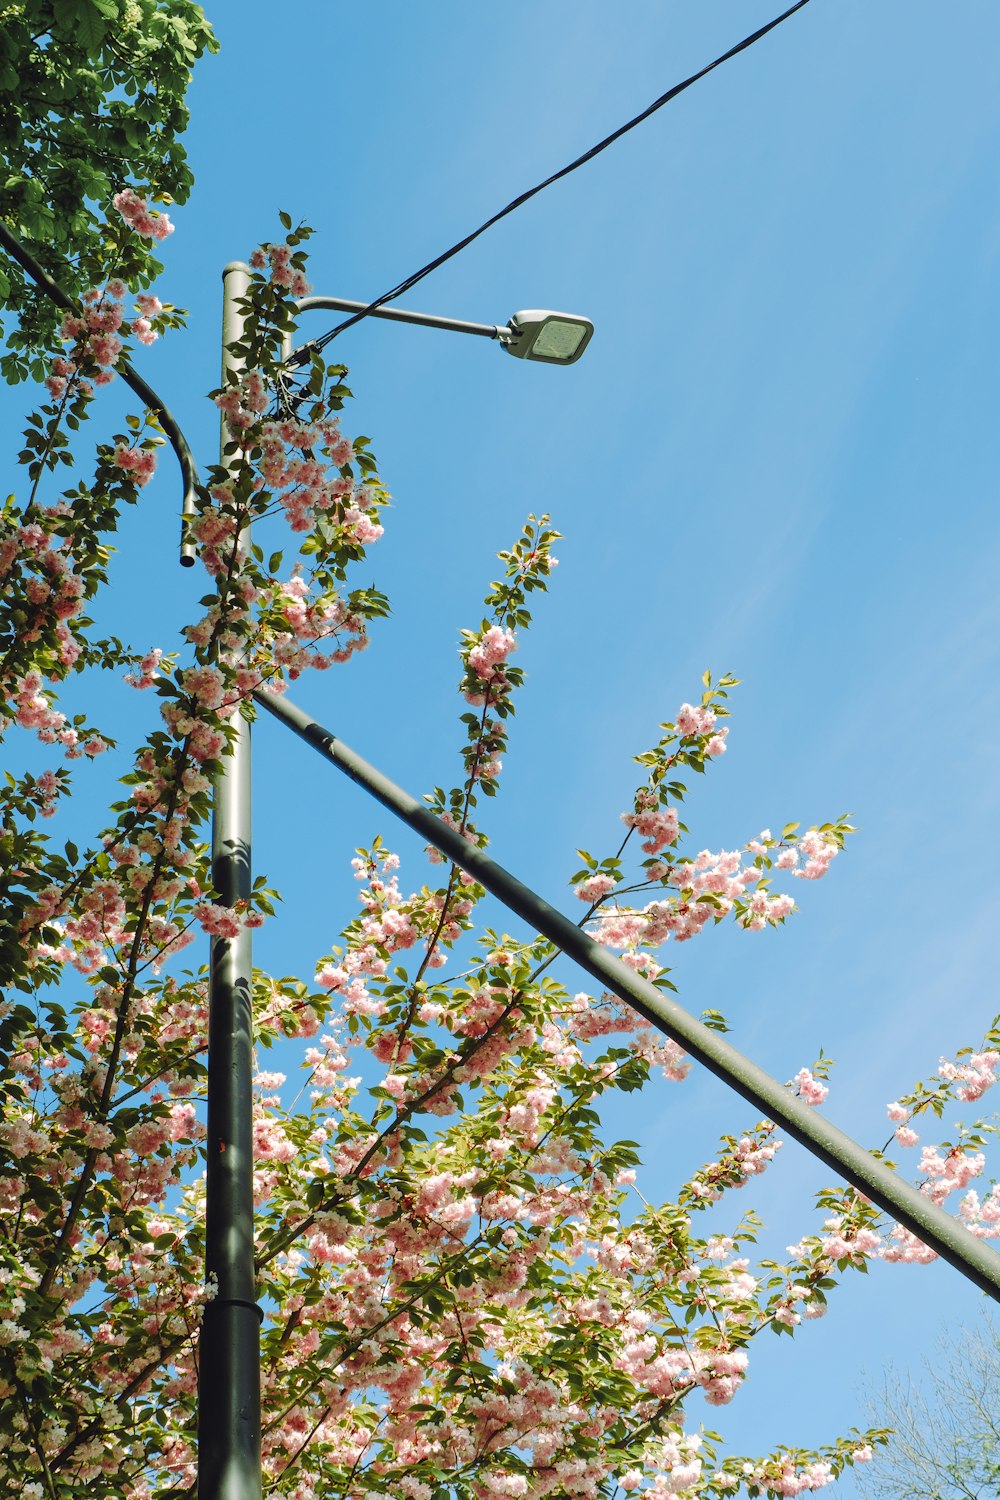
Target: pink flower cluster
(48,788)
(982,1215)
(278,258)
(906,1249)
(149,222)
(748,1157)
(225,921)
(661,1052)
(390,924)
(950,1173)
(96,333)
(304,462)
(819,852)
(808,1088)
(148,670)
(658,826)
(54,590)
(34,711)
(294,461)
(139,462)
(785,1478)
(311,623)
(973,1077)
(594,889)
(696,723)
(899,1114)
(147,307)
(845,1243)
(467,831)
(492,649)
(671,1370)
(679,1465)
(100,924)
(711,886)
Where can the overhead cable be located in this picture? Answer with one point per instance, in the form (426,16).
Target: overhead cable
(672,93)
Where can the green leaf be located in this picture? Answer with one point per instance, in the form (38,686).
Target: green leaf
(88,19)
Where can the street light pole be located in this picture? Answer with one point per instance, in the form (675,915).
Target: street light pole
(229,1348)
(229,1458)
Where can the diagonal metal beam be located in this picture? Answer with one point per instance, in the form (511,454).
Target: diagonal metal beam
(850,1160)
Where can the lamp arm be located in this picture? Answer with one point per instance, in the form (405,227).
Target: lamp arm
(299,356)
(189,472)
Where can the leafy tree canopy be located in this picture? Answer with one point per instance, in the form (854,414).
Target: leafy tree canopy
(91,101)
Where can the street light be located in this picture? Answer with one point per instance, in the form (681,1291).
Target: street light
(229,1348)
(552,338)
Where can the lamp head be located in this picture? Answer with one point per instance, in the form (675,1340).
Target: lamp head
(554,338)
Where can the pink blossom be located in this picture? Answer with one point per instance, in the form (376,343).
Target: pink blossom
(139,462)
(147,222)
(493,647)
(147,673)
(819,853)
(594,888)
(217,920)
(809,1089)
(691,722)
(658,825)
(973,1077)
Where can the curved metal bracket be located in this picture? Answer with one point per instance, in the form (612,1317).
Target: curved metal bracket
(131,377)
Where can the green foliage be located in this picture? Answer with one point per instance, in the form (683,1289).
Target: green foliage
(91,101)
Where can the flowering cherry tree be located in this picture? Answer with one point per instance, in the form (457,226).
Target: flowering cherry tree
(466,1293)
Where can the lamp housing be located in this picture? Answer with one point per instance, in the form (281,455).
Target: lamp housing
(554,338)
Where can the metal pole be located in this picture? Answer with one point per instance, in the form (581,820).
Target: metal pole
(850,1160)
(229,1349)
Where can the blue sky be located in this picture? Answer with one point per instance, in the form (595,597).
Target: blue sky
(777,458)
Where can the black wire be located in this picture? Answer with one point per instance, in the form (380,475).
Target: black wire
(678,88)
